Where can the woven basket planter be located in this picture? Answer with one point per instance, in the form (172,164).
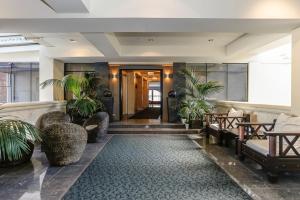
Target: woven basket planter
(55,117)
(64,143)
(97,126)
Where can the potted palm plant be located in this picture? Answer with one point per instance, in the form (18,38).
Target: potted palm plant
(84,102)
(195,102)
(16,141)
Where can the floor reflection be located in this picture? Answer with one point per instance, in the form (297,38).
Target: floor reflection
(36,180)
(249,175)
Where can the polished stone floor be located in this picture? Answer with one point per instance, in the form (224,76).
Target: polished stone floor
(36,180)
(250,175)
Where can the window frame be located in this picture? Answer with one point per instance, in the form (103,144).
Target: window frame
(11,81)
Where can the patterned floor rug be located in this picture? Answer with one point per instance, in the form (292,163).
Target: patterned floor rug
(149,167)
(147,113)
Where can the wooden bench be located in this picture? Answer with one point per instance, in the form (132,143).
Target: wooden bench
(223,127)
(275,151)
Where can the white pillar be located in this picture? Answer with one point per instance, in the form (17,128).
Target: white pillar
(50,69)
(295,109)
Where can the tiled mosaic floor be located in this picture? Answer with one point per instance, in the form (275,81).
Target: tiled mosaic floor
(154,167)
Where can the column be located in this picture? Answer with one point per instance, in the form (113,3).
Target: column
(295,93)
(50,69)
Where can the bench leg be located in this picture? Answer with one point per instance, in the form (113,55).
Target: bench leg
(220,140)
(272,177)
(241,156)
(227,140)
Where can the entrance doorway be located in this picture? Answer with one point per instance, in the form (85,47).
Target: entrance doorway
(141,94)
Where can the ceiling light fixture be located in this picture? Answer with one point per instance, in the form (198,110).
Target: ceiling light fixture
(72,41)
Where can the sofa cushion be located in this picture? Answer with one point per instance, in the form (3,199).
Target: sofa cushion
(214,126)
(262,146)
(235,113)
(287,123)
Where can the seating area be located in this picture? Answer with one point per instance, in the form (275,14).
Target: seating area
(274,145)
(171,100)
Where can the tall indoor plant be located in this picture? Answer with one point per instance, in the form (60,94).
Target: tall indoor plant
(16,140)
(195,104)
(83,89)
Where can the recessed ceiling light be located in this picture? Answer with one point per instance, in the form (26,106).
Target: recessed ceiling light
(210,40)
(72,41)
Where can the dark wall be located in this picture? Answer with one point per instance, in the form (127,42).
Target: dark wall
(102,71)
(179,82)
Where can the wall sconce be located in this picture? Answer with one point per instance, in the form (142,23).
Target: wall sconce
(113,76)
(168,75)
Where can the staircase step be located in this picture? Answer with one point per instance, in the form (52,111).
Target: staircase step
(173,126)
(152,131)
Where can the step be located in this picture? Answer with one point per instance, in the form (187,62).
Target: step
(173,126)
(152,131)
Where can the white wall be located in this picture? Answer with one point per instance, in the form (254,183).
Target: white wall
(31,111)
(49,69)
(270,83)
(26,56)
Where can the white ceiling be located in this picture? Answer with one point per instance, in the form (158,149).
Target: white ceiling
(150,31)
(175,39)
(209,9)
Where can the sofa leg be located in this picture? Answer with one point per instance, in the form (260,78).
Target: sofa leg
(220,140)
(227,142)
(272,177)
(241,157)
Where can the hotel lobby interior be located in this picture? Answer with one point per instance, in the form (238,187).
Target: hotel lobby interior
(144,100)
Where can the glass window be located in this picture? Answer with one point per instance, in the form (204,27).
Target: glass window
(234,78)
(218,72)
(200,70)
(237,89)
(19,82)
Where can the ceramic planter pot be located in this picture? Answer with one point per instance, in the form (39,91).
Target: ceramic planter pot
(187,126)
(196,124)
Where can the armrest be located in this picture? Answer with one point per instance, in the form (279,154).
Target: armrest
(216,113)
(284,143)
(226,117)
(254,124)
(282,133)
(226,122)
(212,117)
(248,130)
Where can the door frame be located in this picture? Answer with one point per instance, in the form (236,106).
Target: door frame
(160,69)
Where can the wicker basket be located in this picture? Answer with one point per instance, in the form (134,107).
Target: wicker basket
(64,143)
(55,117)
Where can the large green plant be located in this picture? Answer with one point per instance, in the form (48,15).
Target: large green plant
(84,102)
(195,104)
(14,137)
(193,109)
